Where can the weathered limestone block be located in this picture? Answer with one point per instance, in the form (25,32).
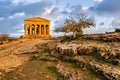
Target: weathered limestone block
(106,52)
(110,37)
(70,73)
(103,51)
(86,49)
(109,71)
(67,48)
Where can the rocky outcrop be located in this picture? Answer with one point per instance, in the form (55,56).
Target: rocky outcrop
(114,37)
(70,73)
(103,51)
(109,71)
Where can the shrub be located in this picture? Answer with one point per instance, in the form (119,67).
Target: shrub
(33,58)
(117,30)
(21,36)
(4,37)
(66,39)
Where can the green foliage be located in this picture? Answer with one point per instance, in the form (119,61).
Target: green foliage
(66,39)
(33,58)
(117,30)
(109,60)
(100,76)
(56,73)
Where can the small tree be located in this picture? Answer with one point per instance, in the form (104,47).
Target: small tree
(117,30)
(4,37)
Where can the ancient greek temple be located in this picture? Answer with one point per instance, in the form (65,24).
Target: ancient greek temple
(36,27)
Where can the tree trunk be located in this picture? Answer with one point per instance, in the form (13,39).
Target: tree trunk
(65,34)
(74,34)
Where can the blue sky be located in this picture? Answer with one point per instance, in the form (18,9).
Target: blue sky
(13,12)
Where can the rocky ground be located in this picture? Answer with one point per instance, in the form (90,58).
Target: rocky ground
(45,59)
(100,56)
(16,53)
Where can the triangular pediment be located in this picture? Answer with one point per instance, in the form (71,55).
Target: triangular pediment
(36,19)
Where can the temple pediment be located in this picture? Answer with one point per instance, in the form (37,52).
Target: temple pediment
(36,19)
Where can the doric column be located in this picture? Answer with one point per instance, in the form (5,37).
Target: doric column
(45,30)
(24,29)
(30,29)
(35,29)
(48,29)
(42,29)
(39,29)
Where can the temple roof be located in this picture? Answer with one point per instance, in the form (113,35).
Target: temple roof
(36,19)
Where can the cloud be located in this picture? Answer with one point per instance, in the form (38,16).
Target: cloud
(102,23)
(20,31)
(108,8)
(1,18)
(98,1)
(19,14)
(7,9)
(16,2)
(116,22)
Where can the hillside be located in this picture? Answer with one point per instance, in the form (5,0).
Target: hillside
(91,57)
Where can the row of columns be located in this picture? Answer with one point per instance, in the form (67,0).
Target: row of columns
(36,29)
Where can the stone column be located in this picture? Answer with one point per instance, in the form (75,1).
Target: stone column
(24,29)
(35,29)
(40,30)
(48,30)
(30,29)
(44,30)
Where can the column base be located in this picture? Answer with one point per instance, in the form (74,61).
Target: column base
(37,36)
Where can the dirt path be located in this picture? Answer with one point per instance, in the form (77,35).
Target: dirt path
(10,53)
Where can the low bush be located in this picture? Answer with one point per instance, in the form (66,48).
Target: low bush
(117,30)
(4,37)
(67,39)
(33,58)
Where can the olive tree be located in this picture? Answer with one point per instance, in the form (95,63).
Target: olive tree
(76,24)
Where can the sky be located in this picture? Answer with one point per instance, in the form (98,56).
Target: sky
(106,14)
